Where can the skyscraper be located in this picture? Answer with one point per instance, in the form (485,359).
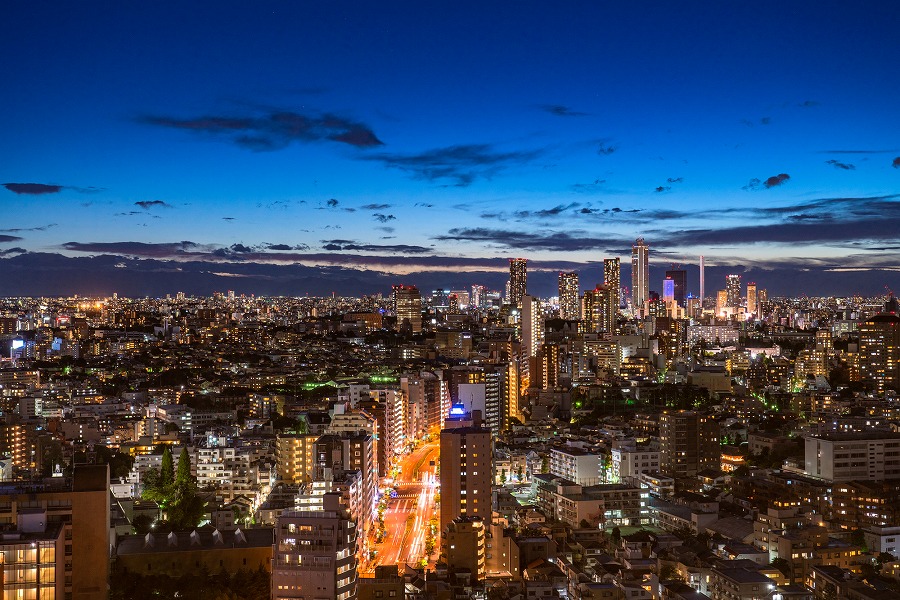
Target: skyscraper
(408,307)
(612,278)
(518,279)
(599,314)
(532,326)
(733,290)
(688,443)
(640,272)
(466,470)
(679,277)
(568,296)
(879,351)
(751,299)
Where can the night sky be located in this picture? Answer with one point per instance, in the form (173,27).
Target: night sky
(308,147)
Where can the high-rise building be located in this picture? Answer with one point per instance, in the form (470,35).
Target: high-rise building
(477,297)
(679,279)
(702,282)
(532,326)
(598,312)
(568,296)
(752,307)
(733,290)
(688,443)
(466,470)
(518,280)
(55,542)
(295,457)
(612,278)
(315,553)
(640,272)
(879,351)
(463,546)
(408,303)
(721,302)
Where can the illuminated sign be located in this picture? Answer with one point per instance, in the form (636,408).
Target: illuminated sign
(457,410)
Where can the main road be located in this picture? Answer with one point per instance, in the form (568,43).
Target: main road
(407,516)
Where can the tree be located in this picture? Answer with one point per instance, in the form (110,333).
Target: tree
(782,565)
(166,469)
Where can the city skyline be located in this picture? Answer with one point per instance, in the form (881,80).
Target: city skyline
(292,149)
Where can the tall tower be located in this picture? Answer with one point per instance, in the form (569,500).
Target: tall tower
(612,278)
(518,276)
(640,272)
(599,312)
(879,351)
(733,290)
(751,299)
(408,307)
(568,296)
(702,281)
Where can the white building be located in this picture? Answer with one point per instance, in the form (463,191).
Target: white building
(575,465)
(869,456)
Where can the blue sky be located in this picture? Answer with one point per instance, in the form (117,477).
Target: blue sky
(286,146)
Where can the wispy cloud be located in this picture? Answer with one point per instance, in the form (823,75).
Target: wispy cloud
(353,246)
(382,218)
(148,204)
(375,206)
(896,163)
(841,165)
(40,189)
(274,130)
(5,239)
(523,240)
(22,229)
(773,181)
(460,165)
(561,111)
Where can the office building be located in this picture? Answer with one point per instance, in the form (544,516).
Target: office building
(518,280)
(315,553)
(408,302)
(466,469)
(640,272)
(679,285)
(532,326)
(576,465)
(879,351)
(688,443)
(568,296)
(866,456)
(733,291)
(598,312)
(463,546)
(612,278)
(752,305)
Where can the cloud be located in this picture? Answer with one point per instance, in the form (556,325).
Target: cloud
(808,104)
(662,188)
(424,205)
(523,240)
(148,204)
(275,130)
(283,247)
(13,250)
(856,151)
(349,245)
(841,165)
(603,149)
(461,165)
(241,248)
(228,218)
(776,180)
(675,180)
(21,229)
(33,188)
(896,163)
(332,203)
(375,206)
(5,239)
(765,121)
(382,218)
(588,188)
(561,111)
(160,250)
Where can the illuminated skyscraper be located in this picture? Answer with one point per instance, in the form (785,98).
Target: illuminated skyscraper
(679,278)
(466,469)
(612,278)
(532,326)
(879,351)
(733,290)
(640,272)
(518,276)
(751,299)
(598,312)
(568,296)
(408,307)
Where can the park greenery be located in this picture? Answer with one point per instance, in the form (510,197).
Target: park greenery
(175,490)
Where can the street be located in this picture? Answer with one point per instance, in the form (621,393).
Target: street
(407,516)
